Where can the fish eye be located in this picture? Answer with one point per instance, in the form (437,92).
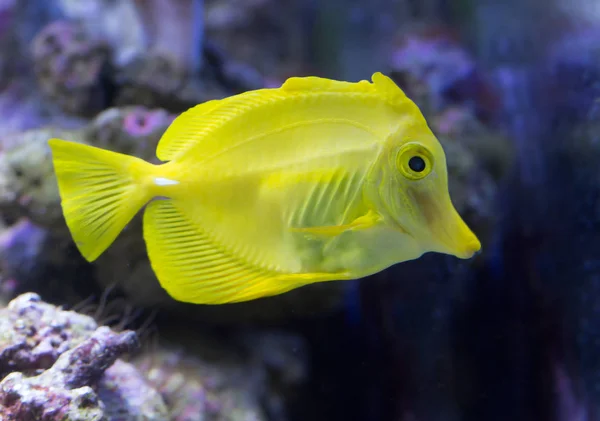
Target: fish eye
(414,161)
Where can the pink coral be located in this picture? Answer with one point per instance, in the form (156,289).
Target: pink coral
(142,122)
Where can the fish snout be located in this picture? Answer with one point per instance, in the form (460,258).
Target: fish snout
(455,237)
(449,234)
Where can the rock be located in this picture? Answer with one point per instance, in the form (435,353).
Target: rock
(59,365)
(249,376)
(71,68)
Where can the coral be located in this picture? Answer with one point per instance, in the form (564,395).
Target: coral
(234,75)
(134,27)
(132,130)
(478,157)
(35,334)
(436,71)
(70,67)
(59,365)
(23,109)
(27,185)
(154,80)
(128,395)
(116,22)
(132,53)
(269,35)
(247,377)
(174,30)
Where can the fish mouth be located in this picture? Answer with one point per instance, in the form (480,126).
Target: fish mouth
(464,246)
(455,237)
(449,232)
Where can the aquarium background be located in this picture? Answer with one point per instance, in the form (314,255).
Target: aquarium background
(510,87)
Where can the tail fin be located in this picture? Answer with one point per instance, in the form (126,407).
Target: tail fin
(101,191)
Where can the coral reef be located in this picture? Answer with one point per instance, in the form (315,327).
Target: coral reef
(82,66)
(71,67)
(436,71)
(174,30)
(59,365)
(116,22)
(21,107)
(55,365)
(27,187)
(253,375)
(478,158)
(269,35)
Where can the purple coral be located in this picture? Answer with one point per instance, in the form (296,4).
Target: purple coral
(35,334)
(433,61)
(63,391)
(62,366)
(69,67)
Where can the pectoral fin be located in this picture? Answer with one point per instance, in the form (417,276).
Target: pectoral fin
(369,220)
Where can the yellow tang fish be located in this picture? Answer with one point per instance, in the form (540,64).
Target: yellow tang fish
(272,189)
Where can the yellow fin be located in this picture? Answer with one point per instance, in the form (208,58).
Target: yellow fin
(193,268)
(188,133)
(388,88)
(369,220)
(315,83)
(100,192)
(382,85)
(185,134)
(183,131)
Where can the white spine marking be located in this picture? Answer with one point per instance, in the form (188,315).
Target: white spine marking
(161,181)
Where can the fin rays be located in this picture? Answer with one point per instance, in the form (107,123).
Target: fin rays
(99,195)
(192,268)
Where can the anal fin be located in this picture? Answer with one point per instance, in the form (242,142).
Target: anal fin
(193,268)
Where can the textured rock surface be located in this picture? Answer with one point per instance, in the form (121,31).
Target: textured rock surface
(71,67)
(59,365)
(270,35)
(249,377)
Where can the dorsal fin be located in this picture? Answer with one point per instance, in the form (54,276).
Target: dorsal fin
(192,125)
(382,85)
(388,89)
(315,83)
(174,140)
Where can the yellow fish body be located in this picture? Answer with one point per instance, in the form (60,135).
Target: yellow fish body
(272,189)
